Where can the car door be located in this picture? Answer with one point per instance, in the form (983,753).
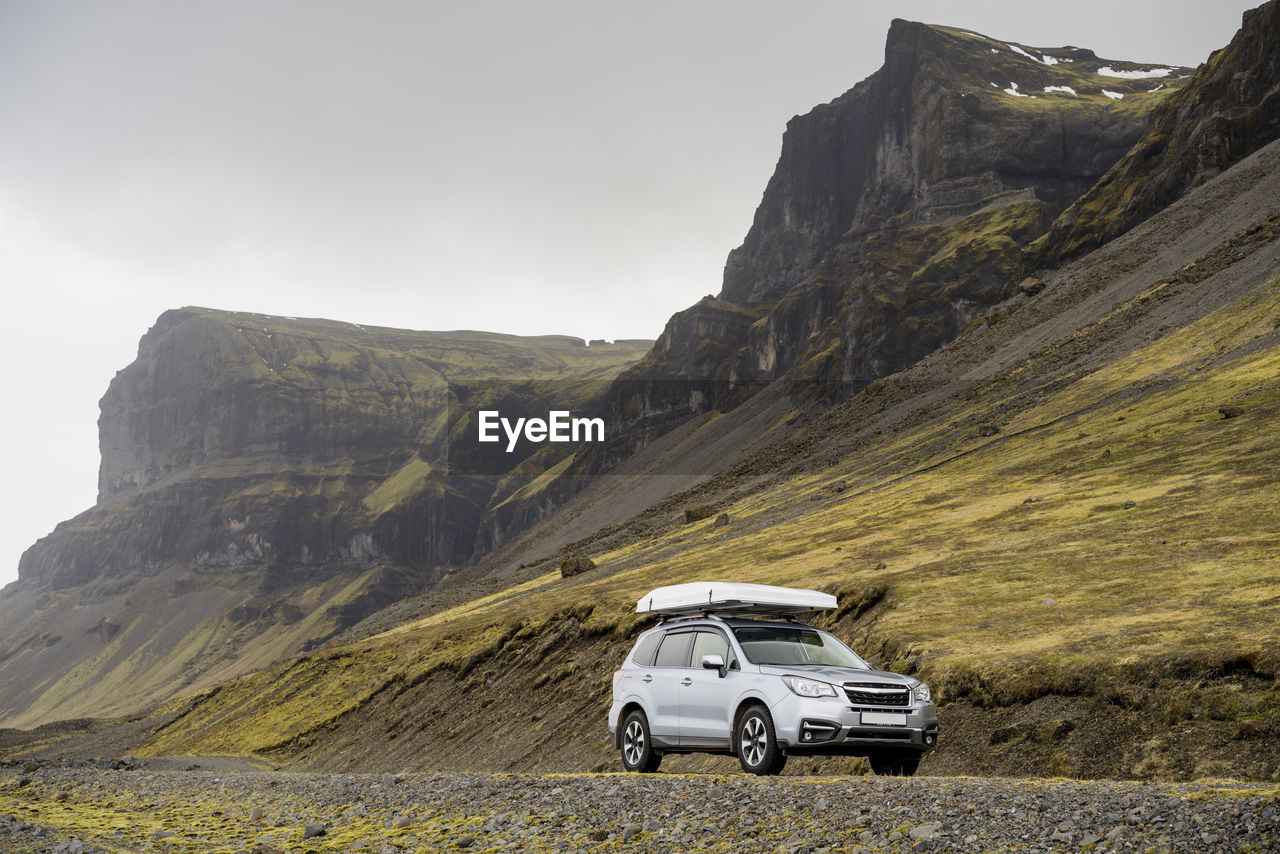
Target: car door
(670,666)
(706,696)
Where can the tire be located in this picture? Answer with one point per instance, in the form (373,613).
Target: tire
(756,743)
(637,745)
(910,764)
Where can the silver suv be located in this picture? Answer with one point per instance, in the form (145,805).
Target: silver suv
(762,690)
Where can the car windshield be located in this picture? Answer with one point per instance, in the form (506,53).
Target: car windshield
(795,645)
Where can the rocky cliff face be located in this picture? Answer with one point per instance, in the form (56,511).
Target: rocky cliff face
(1229,110)
(265,483)
(897,212)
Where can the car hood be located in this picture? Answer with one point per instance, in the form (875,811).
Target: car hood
(839,675)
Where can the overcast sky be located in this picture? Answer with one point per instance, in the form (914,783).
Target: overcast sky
(559,167)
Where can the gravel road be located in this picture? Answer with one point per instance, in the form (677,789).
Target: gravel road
(120,806)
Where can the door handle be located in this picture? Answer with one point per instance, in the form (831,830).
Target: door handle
(647,678)
(686,681)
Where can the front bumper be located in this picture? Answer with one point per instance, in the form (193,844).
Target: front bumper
(834,726)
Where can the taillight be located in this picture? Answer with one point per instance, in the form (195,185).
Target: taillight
(617,674)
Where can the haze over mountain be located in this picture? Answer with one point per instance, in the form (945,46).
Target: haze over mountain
(1033,491)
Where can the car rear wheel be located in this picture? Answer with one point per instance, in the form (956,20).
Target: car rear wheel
(757,745)
(637,746)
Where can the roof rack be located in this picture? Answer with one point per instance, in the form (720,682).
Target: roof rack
(729,599)
(722,616)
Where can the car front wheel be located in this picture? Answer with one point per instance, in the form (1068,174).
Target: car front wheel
(637,746)
(757,745)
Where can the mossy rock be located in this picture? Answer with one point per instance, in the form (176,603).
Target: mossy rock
(576,566)
(697,514)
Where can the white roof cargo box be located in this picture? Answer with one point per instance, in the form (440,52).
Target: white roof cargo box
(729,598)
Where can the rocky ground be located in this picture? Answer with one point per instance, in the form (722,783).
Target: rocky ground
(118,806)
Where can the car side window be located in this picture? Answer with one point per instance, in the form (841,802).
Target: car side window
(674,651)
(643,655)
(713,642)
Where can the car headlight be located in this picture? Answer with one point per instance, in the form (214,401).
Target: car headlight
(809,687)
(922,693)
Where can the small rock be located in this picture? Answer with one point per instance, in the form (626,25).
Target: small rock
(31,767)
(162,834)
(402,822)
(1230,411)
(697,514)
(1031,286)
(313,830)
(928,830)
(651,825)
(631,831)
(466,842)
(1049,600)
(721,521)
(576,566)
(256,814)
(1129,505)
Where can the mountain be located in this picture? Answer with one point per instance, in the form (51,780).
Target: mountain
(265,483)
(898,212)
(1040,488)
(1194,135)
(1058,521)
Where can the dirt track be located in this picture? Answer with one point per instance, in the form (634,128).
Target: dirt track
(99,807)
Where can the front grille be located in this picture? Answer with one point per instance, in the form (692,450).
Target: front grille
(872,694)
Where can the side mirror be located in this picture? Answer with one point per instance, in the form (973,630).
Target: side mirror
(714,661)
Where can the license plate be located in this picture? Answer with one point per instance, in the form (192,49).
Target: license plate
(884,718)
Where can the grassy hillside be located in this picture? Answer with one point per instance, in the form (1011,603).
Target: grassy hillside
(1065,522)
